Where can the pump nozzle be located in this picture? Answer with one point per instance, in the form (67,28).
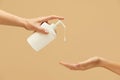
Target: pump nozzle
(57,23)
(60,22)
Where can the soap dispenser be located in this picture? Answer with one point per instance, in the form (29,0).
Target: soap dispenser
(39,40)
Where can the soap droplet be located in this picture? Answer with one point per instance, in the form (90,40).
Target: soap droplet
(65,34)
(65,39)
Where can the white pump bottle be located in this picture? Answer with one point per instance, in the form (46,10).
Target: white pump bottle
(38,40)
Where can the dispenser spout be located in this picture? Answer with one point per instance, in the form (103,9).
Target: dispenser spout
(57,23)
(60,22)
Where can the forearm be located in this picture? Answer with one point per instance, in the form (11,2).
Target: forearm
(112,66)
(99,62)
(9,19)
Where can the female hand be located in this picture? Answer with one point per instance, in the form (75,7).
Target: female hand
(34,24)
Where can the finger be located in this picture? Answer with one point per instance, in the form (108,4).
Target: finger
(41,30)
(52,17)
(66,65)
(45,21)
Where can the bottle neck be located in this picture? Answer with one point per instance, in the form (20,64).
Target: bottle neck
(53,26)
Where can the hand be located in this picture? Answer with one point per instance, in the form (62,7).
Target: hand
(34,24)
(70,66)
(90,63)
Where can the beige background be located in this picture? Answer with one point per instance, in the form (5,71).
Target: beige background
(93,29)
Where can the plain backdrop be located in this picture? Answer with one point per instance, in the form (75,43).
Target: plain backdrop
(93,29)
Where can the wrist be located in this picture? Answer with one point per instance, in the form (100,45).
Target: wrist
(102,62)
(23,22)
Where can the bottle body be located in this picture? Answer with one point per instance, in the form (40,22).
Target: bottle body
(38,40)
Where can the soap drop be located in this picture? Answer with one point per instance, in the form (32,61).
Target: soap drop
(65,34)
